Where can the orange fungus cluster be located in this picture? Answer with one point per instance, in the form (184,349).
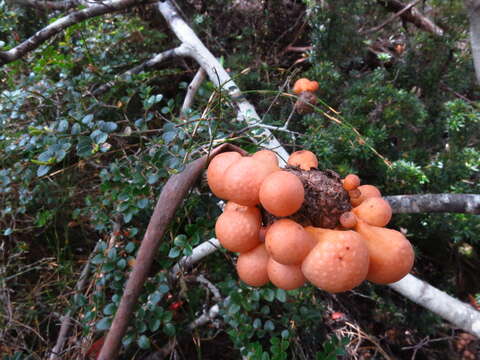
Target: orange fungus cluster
(261,221)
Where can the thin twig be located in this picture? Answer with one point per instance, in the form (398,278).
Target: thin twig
(390,19)
(191,91)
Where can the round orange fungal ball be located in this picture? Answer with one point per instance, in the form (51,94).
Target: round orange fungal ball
(375,211)
(243,180)
(238,229)
(304,159)
(339,262)
(366,191)
(348,220)
(268,158)
(287,242)
(391,254)
(304,84)
(282,193)
(216,171)
(286,277)
(252,266)
(351,182)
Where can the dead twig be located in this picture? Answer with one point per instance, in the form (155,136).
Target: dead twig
(173,193)
(391,18)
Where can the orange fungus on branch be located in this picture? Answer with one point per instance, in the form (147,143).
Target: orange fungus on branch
(252,266)
(243,180)
(216,172)
(339,262)
(238,229)
(304,159)
(282,193)
(305,84)
(287,242)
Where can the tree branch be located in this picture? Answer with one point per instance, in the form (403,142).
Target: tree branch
(217,74)
(191,91)
(455,203)
(413,15)
(447,307)
(59,25)
(179,51)
(473,10)
(53,5)
(391,18)
(173,193)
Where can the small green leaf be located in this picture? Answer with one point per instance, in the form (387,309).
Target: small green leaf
(142,203)
(130,247)
(233,309)
(180,240)
(169,329)
(281,295)
(43,170)
(127,340)
(87,119)
(122,264)
(269,326)
(110,309)
(7,231)
(154,324)
(104,324)
(174,253)
(152,179)
(269,294)
(143,342)
(79,299)
(108,126)
(98,136)
(98,259)
(76,129)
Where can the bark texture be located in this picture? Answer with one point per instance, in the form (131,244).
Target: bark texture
(473,11)
(455,203)
(413,15)
(458,313)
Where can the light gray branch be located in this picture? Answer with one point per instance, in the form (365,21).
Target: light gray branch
(217,74)
(458,313)
(61,24)
(180,51)
(192,90)
(428,203)
(51,5)
(473,10)
(204,249)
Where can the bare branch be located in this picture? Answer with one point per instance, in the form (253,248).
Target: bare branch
(204,249)
(458,313)
(216,73)
(413,15)
(61,24)
(172,195)
(192,90)
(51,5)
(391,18)
(455,203)
(179,51)
(473,10)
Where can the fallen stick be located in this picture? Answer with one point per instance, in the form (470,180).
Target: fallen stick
(172,195)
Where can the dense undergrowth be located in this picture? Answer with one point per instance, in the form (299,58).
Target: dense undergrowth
(80,174)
